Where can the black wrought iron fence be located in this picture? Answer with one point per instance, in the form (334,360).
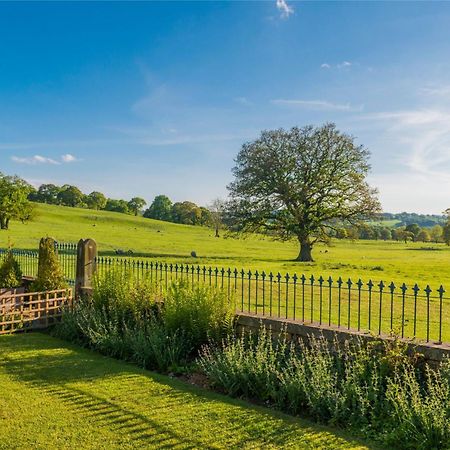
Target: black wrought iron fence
(411,311)
(29,260)
(376,307)
(67,256)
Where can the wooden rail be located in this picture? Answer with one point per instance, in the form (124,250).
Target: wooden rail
(32,310)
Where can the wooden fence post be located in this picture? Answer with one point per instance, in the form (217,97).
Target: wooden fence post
(86,254)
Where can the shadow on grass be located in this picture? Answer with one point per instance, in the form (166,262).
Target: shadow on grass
(425,249)
(69,374)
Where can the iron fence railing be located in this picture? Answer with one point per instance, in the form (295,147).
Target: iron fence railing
(67,256)
(375,307)
(29,260)
(410,311)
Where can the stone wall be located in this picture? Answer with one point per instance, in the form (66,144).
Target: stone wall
(432,352)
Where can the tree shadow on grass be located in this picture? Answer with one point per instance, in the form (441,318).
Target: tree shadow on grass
(148,407)
(425,249)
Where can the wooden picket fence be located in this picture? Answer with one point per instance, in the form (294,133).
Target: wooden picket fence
(32,310)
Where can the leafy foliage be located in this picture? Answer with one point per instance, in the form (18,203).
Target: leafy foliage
(375,389)
(10,272)
(14,203)
(70,196)
(126,319)
(120,206)
(160,209)
(120,295)
(50,275)
(136,204)
(446,233)
(96,200)
(296,183)
(202,314)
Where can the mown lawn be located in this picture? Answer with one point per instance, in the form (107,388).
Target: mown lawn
(166,242)
(56,395)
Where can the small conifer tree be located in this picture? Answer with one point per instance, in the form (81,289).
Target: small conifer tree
(50,276)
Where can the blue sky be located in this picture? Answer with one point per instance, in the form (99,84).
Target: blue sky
(149,98)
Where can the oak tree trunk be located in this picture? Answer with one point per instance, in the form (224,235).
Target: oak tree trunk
(305,254)
(4,223)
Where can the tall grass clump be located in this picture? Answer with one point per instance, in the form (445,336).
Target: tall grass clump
(119,295)
(373,388)
(201,313)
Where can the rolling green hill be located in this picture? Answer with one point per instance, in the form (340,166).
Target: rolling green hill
(410,263)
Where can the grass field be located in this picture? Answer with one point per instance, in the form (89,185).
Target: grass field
(390,261)
(369,260)
(56,395)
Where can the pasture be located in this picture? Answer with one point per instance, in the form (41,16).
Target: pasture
(56,395)
(377,260)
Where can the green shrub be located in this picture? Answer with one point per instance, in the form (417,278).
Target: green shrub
(247,366)
(154,348)
(147,344)
(121,296)
(10,273)
(203,314)
(124,319)
(375,389)
(420,412)
(50,275)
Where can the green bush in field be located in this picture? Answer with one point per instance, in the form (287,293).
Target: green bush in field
(50,275)
(374,389)
(10,272)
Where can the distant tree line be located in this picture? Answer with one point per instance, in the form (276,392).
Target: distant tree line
(69,195)
(16,196)
(423,220)
(162,208)
(409,233)
(188,213)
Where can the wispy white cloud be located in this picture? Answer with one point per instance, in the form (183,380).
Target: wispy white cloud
(344,65)
(68,158)
(39,159)
(285,9)
(321,105)
(406,191)
(423,136)
(438,91)
(340,66)
(36,159)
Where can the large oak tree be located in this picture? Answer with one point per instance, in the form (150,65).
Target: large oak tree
(301,183)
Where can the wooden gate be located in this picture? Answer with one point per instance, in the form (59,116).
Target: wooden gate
(32,310)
